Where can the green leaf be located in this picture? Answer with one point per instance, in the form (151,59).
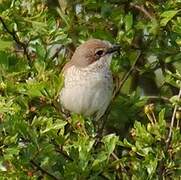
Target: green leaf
(5,44)
(175,100)
(2,167)
(126,143)
(162,116)
(128,22)
(110,142)
(167,16)
(57,126)
(40,67)
(11,152)
(178,41)
(142,135)
(11,139)
(40,50)
(152,165)
(102,157)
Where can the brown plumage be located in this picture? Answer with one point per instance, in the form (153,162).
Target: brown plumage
(88,81)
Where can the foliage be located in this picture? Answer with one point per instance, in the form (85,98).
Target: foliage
(142,134)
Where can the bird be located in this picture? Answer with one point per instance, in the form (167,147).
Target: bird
(88,81)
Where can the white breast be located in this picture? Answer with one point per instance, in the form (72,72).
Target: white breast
(87,91)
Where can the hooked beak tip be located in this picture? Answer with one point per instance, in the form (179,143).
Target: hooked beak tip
(114,48)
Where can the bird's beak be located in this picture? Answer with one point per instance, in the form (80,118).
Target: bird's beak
(114,48)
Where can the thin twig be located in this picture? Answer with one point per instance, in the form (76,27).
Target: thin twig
(158,97)
(178,122)
(103,176)
(125,77)
(59,149)
(64,154)
(43,170)
(150,118)
(16,39)
(114,156)
(142,9)
(172,123)
(154,118)
(116,93)
(57,52)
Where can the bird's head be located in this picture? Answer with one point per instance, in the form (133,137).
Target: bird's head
(92,51)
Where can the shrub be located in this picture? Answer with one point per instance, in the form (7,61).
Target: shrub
(141,136)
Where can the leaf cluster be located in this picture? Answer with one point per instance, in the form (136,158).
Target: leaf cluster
(141,133)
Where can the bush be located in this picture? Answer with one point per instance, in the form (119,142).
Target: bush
(141,136)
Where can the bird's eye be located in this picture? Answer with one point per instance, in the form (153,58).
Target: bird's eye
(99,52)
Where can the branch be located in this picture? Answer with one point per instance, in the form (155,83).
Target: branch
(172,122)
(57,52)
(116,93)
(125,77)
(66,156)
(142,9)
(43,170)
(158,97)
(60,150)
(16,39)
(114,156)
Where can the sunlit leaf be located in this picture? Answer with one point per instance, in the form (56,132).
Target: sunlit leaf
(167,16)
